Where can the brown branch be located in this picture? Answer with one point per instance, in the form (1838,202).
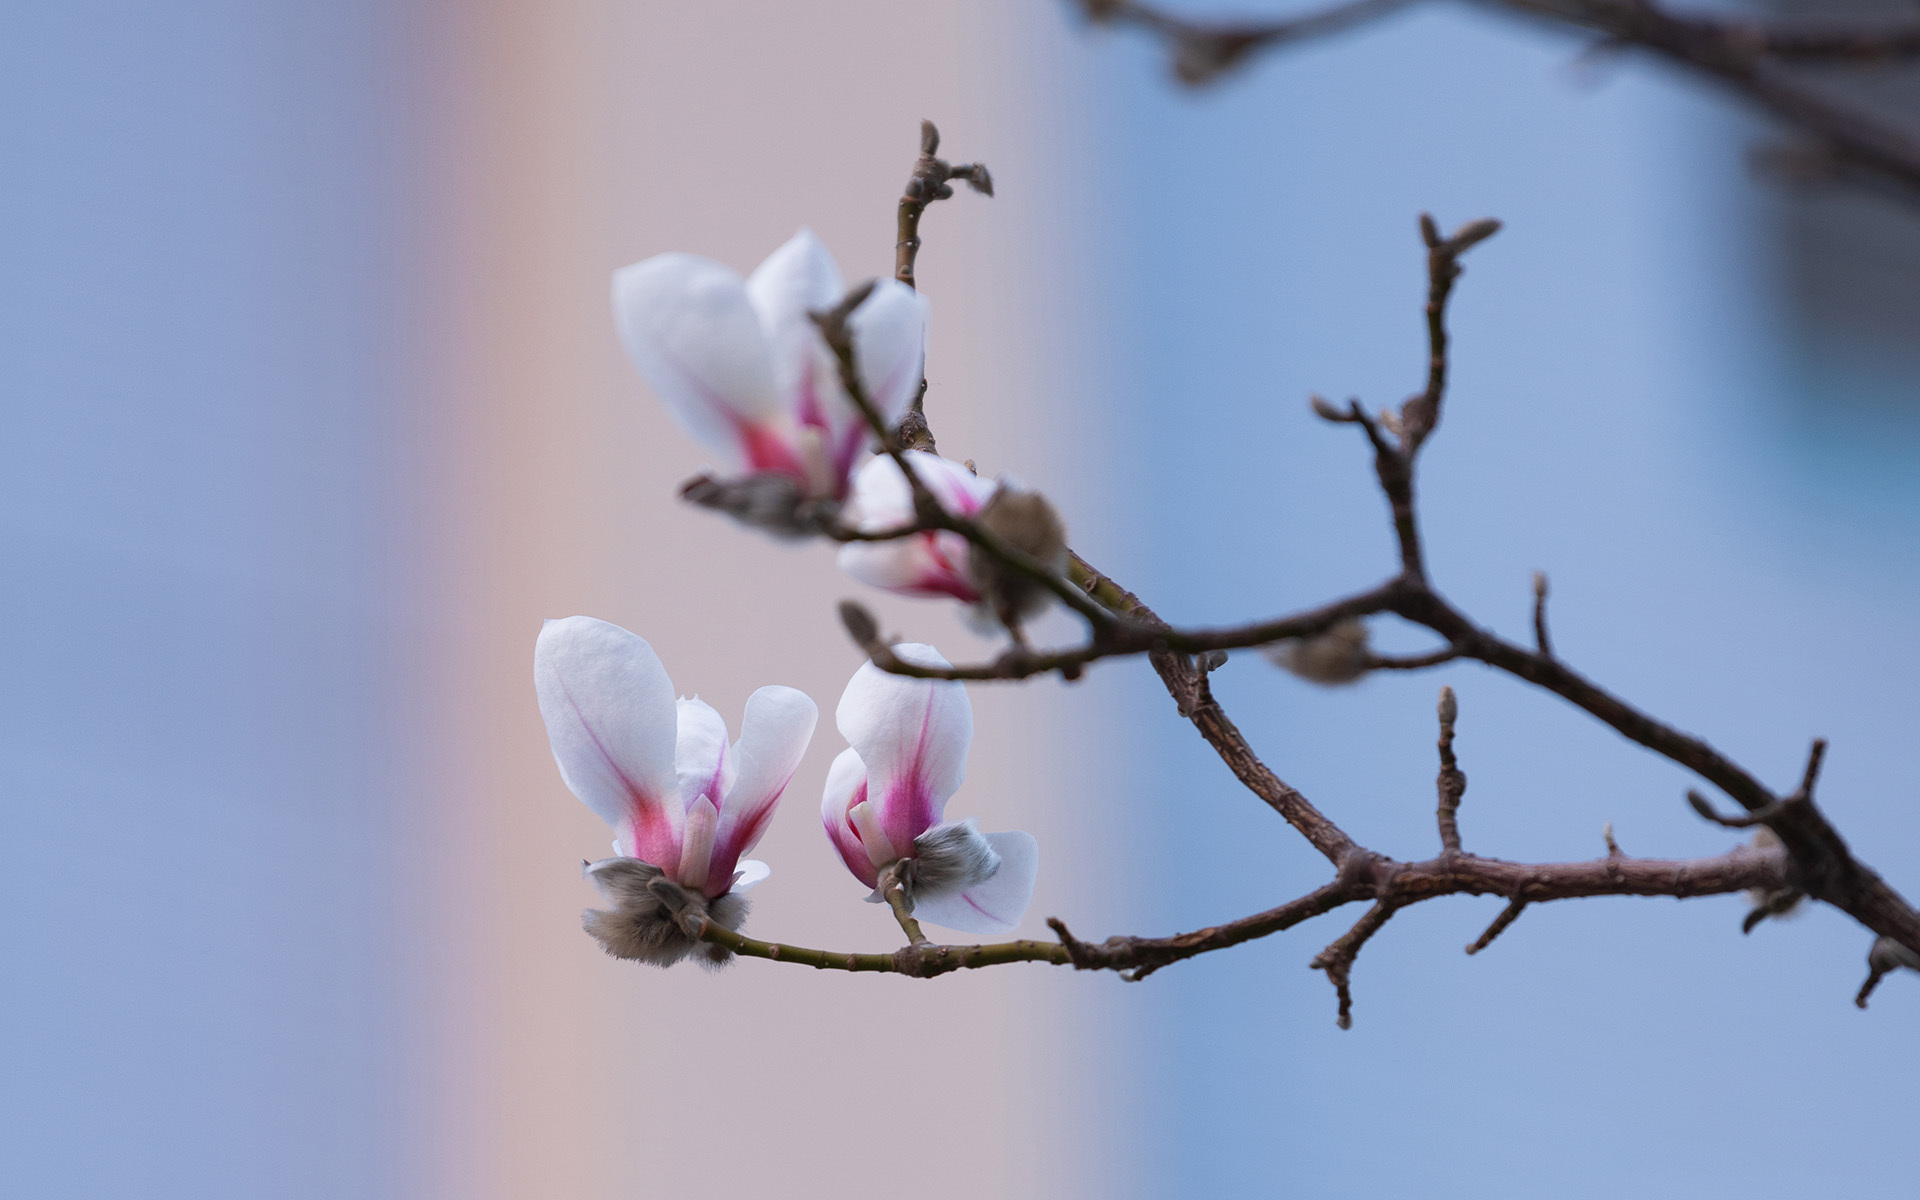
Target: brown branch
(1205,51)
(1812,858)
(929,513)
(1541,641)
(893,890)
(1337,959)
(1187,686)
(929,182)
(1508,916)
(1391,885)
(1452,782)
(1745,57)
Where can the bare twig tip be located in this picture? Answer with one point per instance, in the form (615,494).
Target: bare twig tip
(861,626)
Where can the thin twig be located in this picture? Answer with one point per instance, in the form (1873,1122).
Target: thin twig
(1203,53)
(1337,959)
(929,182)
(894,891)
(1395,884)
(1541,642)
(1508,916)
(1452,782)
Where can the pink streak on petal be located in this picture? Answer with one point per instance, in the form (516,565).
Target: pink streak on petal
(853,439)
(765,450)
(948,578)
(726,855)
(654,840)
(909,808)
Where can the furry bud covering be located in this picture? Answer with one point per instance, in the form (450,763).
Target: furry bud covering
(948,858)
(1028,522)
(1335,656)
(652,914)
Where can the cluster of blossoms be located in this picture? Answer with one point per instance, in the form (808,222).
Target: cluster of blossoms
(743,367)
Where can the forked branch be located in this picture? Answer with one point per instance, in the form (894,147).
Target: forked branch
(1803,856)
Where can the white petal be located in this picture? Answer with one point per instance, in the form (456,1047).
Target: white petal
(890,337)
(847,786)
(931,564)
(773,737)
(882,498)
(913,736)
(996,905)
(688,325)
(700,758)
(795,280)
(610,716)
(696,848)
(750,874)
(926,564)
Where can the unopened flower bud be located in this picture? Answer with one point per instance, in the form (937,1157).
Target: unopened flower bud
(1770,902)
(1332,657)
(861,626)
(1027,521)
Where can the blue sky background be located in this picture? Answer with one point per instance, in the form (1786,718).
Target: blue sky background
(1631,411)
(203,415)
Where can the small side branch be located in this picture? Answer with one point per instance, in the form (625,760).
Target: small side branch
(1508,916)
(1337,959)
(1885,957)
(1202,51)
(1452,782)
(894,891)
(1541,641)
(929,182)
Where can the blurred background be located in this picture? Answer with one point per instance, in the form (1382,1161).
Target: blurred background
(313,411)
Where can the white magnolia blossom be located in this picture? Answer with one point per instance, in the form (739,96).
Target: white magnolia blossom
(660,770)
(926,564)
(744,369)
(886,796)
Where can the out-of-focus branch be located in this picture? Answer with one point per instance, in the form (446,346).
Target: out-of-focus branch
(1752,59)
(1202,51)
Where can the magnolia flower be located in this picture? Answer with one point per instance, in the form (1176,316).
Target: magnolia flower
(743,368)
(683,803)
(927,564)
(886,795)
